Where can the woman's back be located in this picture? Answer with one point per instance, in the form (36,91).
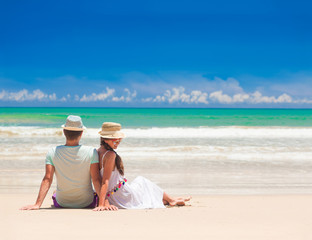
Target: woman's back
(141,193)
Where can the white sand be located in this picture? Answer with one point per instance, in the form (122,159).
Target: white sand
(208,217)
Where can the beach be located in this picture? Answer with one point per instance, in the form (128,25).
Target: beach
(248,171)
(218,217)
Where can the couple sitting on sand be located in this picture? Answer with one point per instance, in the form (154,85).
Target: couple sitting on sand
(75,166)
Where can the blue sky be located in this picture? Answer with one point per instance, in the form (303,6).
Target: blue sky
(156,53)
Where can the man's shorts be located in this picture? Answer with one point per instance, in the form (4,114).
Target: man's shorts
(92,205)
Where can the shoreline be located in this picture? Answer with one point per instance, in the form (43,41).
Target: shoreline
(217,217)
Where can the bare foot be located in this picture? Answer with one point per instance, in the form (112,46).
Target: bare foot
(178,201)
(186,199)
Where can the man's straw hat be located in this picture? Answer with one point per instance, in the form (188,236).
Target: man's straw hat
(73,123)
(111,130)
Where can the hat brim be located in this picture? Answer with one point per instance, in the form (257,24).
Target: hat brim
(112,135)
(73,128)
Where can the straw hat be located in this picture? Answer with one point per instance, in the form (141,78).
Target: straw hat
(73,123)
(111,130)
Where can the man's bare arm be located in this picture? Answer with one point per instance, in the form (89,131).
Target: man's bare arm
(44,188)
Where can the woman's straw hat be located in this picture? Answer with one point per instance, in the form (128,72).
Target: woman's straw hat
(111,130)
(73,123)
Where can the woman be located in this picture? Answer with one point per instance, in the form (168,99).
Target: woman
(116,192)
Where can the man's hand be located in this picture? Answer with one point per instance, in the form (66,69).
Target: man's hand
(106,208)
(30,207)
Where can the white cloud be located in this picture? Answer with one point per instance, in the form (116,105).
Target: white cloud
(254,98)
(173,96)
(128,98)
(118,99)
(229,86)
(77,98)
(199,97)
(98,97)
(240,98)
(53,97)
(146,100)
(225,92)
(219,97)
(177,95)
(284,98)
(161,87)
(109,95)
(257,97)
(159,99)
(25,95)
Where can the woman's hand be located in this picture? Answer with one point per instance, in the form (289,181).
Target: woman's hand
(106,208)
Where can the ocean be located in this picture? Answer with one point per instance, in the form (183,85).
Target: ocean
(184,151)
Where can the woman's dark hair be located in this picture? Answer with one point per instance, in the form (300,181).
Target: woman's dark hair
(118,160)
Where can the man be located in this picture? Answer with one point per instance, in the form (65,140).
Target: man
(74,166)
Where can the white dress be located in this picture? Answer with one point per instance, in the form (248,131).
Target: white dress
(141,193)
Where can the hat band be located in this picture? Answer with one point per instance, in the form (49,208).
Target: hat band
(112,134)
(108,132)
(74,128)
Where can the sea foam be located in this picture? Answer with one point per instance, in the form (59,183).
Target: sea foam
(173,132)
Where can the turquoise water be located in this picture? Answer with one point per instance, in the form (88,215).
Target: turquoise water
(184,151)
(142,117)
